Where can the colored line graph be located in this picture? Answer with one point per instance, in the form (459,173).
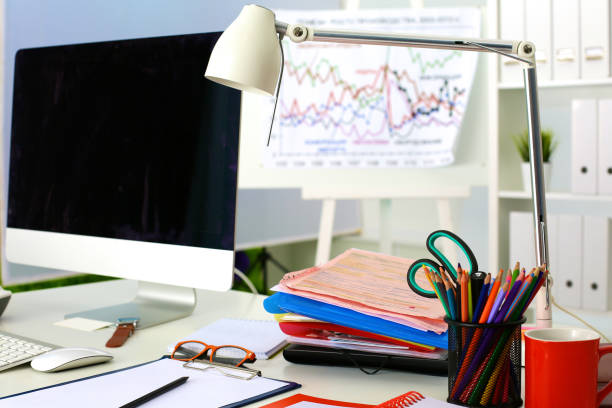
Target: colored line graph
(339,101)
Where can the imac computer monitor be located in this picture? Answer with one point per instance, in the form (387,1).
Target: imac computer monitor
(123,162)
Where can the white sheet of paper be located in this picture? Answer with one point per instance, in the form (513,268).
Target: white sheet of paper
(204,388)
(80,323)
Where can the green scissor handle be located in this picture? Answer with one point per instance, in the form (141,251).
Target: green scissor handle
(443,261)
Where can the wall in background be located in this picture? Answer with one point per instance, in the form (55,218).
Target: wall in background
(30,23)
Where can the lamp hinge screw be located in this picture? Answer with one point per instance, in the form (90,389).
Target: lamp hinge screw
(298,32)
(527,49)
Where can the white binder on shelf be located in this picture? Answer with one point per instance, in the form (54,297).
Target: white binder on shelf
(567,274)
(604,147)
(511,25)
(565,39)
(596,243)
(538,31)
(594,39)
(584,146)
(522,241)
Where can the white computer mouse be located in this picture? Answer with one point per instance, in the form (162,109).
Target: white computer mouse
(70,357)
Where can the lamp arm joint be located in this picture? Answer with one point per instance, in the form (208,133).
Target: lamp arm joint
(299,33)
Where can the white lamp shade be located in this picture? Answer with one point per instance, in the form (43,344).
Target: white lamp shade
(247,56)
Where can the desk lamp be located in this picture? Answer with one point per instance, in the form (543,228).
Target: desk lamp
(248,57)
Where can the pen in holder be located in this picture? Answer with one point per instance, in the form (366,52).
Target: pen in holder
(484,364)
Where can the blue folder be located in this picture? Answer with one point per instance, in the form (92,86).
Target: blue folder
(284,302)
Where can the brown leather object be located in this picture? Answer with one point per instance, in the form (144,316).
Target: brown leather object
(120,335)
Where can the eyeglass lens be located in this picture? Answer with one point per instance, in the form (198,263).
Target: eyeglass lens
(226,355)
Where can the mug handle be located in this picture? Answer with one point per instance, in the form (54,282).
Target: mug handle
(608,388)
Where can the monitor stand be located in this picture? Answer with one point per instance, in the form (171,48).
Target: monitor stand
(154,304)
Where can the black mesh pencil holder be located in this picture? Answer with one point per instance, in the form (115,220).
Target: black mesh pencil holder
(484,364)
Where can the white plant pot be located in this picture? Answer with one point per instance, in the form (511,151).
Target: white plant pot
(527,175)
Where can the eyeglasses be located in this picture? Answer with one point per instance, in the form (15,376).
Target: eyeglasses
(192,349)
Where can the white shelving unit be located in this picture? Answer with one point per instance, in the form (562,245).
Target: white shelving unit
(556,196)
(506,118)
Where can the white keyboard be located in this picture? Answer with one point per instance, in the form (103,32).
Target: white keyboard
(16,350)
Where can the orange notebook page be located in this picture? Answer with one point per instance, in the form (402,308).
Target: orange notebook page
(370,283)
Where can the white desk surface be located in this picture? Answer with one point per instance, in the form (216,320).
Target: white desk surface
(32,314)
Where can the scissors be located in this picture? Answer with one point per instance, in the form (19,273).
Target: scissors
(444,262)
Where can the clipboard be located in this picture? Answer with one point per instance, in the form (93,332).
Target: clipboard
(205,388)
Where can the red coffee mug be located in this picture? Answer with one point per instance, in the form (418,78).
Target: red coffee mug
(561,368)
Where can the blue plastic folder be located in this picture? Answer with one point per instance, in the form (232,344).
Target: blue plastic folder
(284,302)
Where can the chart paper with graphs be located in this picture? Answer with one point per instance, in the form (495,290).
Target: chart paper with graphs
(347,105)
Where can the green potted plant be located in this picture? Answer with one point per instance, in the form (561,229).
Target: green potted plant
(549,144)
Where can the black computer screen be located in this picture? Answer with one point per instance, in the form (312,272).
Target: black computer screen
(125,139)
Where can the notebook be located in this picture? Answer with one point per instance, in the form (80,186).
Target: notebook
(409,399)
(263,337)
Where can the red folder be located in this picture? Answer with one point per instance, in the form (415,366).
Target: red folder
(322,330)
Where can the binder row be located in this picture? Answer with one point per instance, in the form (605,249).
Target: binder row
(580,248)
(591,146)
(571,37)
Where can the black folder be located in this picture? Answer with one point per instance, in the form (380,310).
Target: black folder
(300,354)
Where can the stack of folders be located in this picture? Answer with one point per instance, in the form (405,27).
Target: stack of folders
(359,301)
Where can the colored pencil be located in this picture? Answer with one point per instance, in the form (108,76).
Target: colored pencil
(469,294)
(509,280)
(498,301)
(534,282)
(522,290)
(543,277)
(451,302)
(438,281)
(430,277)
(515,273)
(446,278)
(508,301)
(489,305)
